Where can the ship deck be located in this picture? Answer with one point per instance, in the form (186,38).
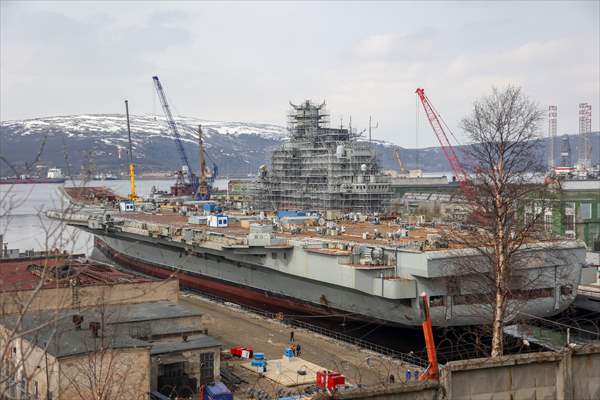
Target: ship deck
(353,231)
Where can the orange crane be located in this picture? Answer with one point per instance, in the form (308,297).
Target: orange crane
(433,370)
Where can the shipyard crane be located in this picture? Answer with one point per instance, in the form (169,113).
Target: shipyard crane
(433,370)
(132,195)
(203,187)
(401,165)
(193,179)
(435,120)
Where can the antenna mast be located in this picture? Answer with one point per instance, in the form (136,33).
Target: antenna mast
(372,127)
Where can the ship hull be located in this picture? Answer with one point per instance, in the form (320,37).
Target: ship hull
(31,181)
(239,294)
(245,278)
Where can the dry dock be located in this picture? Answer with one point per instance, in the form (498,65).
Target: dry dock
(233,327)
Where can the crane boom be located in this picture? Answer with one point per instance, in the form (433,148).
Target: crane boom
(449,153)
(203,188)
(132,195)
(433,370)
(173,126)
(399,161)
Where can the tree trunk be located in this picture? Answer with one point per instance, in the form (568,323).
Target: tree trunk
(498,324)
(501,269)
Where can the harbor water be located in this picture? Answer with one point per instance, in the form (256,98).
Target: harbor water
(25,227)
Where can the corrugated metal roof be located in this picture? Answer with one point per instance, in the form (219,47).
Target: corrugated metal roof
(56,328)
(58,271)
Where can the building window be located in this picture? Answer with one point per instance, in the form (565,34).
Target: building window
(569,222)
(566,290)
(548,221)
(437,301)
(528,216)
(585,210)
(207,368)
(570,208)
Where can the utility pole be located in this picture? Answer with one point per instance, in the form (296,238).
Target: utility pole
(372,127)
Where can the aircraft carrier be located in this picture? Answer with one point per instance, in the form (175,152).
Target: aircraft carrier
(342,275)
(343,255)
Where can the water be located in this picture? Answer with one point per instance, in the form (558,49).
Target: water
(24,225)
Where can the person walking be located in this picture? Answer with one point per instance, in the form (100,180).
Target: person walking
(291,336)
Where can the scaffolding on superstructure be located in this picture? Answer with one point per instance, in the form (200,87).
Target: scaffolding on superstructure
(322,168)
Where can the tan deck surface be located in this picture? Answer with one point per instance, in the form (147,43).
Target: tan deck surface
(285,372)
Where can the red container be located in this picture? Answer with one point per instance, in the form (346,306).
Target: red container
(238,351)
(330,380)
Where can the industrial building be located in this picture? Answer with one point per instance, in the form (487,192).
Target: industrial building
(576,212)
(133,349)
(70,329)
(321,168)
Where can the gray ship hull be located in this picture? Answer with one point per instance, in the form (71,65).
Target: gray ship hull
(240,277)
(252,284)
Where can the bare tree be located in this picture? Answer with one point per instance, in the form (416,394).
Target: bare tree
(503,131)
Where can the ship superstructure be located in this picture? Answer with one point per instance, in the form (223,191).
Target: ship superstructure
(322,168)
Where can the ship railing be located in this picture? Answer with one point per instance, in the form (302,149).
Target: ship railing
(374,347)
(557,334)
(67,216)
(408,358)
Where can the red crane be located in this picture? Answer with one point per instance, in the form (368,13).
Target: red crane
(435,120)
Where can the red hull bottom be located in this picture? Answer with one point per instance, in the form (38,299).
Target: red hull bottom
(234,293)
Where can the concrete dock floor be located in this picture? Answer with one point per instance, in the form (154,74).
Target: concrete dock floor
(233,327)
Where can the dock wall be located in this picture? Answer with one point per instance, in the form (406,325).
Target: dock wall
(573,374)
(568,375)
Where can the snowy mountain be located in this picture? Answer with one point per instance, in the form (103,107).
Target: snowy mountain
(98,142)
(101,141)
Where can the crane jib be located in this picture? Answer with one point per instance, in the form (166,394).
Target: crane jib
(173,126)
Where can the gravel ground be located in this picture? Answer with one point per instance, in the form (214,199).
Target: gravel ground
(233,326)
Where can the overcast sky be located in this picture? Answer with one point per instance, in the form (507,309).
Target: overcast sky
(245,61)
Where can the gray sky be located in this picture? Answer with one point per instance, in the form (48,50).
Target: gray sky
(244,61)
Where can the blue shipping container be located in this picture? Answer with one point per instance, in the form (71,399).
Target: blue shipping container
(217,391)
(210,207)
(283,214)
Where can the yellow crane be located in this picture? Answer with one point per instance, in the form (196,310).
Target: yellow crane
(132,195)
(403,169)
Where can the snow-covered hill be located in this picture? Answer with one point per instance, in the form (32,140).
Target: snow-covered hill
(112,128)
(101,139)
(99,142)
